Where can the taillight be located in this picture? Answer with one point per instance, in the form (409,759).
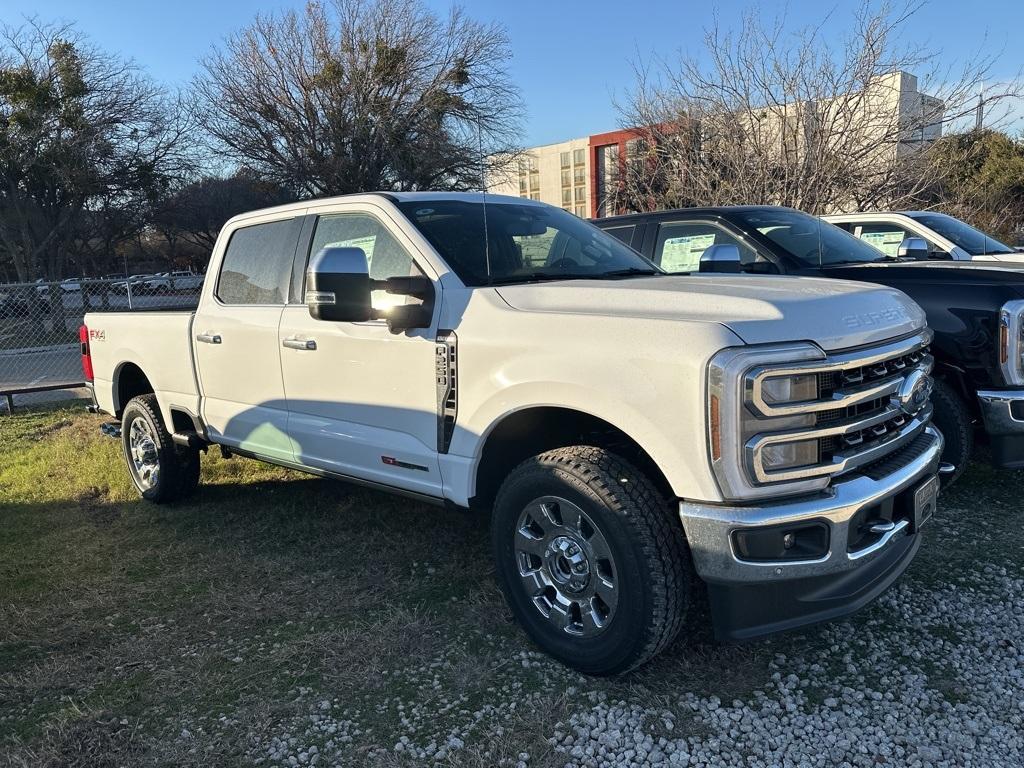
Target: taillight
(83,337)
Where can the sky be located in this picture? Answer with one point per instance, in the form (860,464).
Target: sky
(571,59)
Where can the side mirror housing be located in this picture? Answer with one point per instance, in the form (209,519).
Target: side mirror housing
(338,286)
(913,248)
(723,257)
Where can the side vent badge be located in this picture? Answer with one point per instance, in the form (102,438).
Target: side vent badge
(446,371)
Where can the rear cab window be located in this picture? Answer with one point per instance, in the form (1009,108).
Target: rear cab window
(257,264)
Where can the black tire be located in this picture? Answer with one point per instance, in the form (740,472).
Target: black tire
(649,561)
(954,421)
(177,467)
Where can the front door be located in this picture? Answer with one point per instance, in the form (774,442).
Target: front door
(235,337)
(362,401)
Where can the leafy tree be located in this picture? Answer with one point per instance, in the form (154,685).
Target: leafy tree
(983,181)
(354,95)
(82,135)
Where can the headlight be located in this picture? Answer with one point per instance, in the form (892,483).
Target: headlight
(733,419)
(1011,343)
(790,389)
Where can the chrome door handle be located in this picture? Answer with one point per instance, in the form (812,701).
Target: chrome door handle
(209,338)
(306,344)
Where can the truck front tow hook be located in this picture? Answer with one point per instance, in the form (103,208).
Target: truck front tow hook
(945,468)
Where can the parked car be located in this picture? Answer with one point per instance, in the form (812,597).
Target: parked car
(944,236)
(135,282)
(71,285)
(633,435)
(169,282)
(976,310)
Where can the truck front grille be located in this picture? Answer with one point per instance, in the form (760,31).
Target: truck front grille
(856,420)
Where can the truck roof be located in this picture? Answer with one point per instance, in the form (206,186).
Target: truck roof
(395,197)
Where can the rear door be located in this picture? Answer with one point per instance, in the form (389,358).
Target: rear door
(363,400)
(235,337)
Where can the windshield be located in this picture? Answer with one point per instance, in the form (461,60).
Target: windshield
(807,238)
(528,243)
(960,234)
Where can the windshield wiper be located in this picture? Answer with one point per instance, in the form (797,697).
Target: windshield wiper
(628,272)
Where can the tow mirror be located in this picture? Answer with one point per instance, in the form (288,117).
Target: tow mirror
(722,257)
(338,289)
(915,248)
(338,286)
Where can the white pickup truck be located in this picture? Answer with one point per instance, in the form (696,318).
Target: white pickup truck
(634,436)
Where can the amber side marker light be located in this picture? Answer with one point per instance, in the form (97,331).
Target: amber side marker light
(716,430)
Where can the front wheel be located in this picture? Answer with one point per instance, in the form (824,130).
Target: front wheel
(161,471)
(591,558)
(952,418)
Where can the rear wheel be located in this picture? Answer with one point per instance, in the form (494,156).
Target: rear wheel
(954,421)
(591,559)
(161,471)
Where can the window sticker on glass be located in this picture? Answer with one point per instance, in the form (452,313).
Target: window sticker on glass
(366,243)
(682,254)
(887,242)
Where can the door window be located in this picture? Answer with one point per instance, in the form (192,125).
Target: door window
(885,237)
(257,264)
(681,244)
(385,255)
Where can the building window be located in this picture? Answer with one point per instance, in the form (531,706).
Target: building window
(566,197)
(579,176)
(581,194)
(581,211)
(579,157)
(522,183)
(535,195)
(534,182)
(565,159)
(566,178)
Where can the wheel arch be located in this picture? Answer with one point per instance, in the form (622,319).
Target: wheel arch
(533,430)
(129,381)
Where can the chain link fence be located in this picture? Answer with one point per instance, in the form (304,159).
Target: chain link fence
(39,346)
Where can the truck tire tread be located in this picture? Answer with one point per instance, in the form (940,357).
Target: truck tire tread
(650,516)
(179,466)
(954,421)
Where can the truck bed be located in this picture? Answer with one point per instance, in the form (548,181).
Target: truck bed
(157,343)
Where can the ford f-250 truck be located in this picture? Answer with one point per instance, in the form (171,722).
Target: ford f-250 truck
(633,435)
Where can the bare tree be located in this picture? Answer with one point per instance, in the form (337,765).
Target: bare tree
(356,95)
(81,133)
(771,116)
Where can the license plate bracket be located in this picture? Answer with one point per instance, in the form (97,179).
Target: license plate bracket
(926,498)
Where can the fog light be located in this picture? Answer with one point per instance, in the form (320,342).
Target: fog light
(806,542)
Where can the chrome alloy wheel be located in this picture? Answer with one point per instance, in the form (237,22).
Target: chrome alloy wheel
(566,566)
(144,458)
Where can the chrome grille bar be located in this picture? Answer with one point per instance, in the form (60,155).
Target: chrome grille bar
(894,355)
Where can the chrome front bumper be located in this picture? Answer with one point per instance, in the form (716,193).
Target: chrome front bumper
(1003,414)
(750,598)
(709,528)
(997,409)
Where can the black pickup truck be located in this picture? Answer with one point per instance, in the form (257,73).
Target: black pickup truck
(976,311)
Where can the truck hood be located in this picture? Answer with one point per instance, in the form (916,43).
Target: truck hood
(1006,274)
(760,310)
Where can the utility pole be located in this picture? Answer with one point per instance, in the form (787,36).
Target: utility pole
(979,115)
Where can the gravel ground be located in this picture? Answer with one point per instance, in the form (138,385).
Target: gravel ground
(933,678)
(264,624)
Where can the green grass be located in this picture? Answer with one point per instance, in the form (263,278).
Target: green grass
(122,623)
